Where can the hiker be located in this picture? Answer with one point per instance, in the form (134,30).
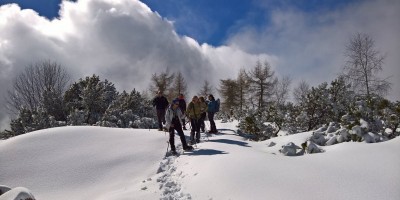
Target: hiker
(203,115)
(211,110)
(173,118)
(182,106)
(194,110)
(161,104)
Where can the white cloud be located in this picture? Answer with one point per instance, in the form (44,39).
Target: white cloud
(311,46)
(119,40)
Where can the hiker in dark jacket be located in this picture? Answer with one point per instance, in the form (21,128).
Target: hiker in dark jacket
(173,119)
(182,106)
(161,104)
(211,110)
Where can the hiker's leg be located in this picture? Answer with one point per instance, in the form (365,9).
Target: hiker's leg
(171,138)
(193,130)
(178,129)
(213,128)
(163,111)
(159,118)
(198,122)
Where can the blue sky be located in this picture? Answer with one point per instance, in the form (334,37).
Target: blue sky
(207,21)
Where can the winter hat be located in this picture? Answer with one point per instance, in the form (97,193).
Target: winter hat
(175,101)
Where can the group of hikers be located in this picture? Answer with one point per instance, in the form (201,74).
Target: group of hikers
(174,115)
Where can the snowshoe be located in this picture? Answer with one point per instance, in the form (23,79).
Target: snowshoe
(188,148)
(172,153)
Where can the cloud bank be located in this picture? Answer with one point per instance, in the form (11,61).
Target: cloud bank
(119,40)
(125,42)
(310,46)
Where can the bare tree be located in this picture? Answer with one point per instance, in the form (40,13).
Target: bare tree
(228,91)
(262,81)
(242,89)
(36,84)
(161,82)
(179,86)
(206,89)
(301,91)
(281,91)
(362,66)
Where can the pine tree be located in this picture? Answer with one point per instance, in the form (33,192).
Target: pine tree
(92,96)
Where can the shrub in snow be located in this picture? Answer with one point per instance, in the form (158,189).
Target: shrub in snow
(290,149)
(318,138)
(343,135)
(145,123)
(271,144)
(313,148)
(255,124)
(331,140)
(372,138)
(332,127)
(18,193)
(55,123)
(76,118)
(4,189)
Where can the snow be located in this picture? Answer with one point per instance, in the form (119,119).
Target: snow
(111,163)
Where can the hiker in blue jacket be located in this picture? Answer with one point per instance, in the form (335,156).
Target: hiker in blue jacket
(211,110)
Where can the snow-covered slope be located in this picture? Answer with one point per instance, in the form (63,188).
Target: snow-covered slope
(81,162)
(104,163)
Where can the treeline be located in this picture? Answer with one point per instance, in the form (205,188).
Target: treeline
(353,103)
(354,100)
(41,99)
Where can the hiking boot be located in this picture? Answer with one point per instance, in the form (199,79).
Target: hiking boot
(173,152)
(197,141)
(188,148)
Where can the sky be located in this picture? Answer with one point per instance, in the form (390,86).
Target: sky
(79,160)
(126,41)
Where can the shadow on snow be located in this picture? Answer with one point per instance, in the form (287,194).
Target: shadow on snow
(205,152)
(234,142)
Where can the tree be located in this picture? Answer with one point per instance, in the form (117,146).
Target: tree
(206,89)
(33,87)
(161,82)
(301,91)
(262,82)
(341,99)
(362,66)
(228,90)
(92,96)
(315,106)
(281,90)
(242,89)
(179,86)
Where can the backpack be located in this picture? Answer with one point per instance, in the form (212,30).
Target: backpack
(217,105)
